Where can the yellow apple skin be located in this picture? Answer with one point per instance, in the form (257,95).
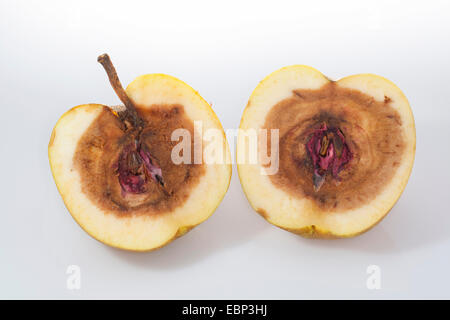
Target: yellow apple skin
(137,233)
(270,91)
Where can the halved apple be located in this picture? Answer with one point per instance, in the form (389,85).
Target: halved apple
(114,167)
(345,151)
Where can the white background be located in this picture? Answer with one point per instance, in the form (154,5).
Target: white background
(48,52)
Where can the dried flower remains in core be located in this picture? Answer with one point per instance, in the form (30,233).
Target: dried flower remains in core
(329,153)
(136,167)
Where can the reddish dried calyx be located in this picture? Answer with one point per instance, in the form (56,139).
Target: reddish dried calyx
(329,153)
(136,167)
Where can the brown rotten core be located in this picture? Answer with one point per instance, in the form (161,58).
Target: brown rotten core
(136,167)
(370,129)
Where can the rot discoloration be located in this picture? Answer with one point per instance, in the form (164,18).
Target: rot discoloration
(99,149)
(372,131)
(262,213)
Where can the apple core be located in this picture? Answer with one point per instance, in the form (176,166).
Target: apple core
(136,167)
(129,174)
(329,153)
(124,157)
(338,147)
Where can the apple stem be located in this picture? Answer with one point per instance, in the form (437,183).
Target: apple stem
(130,116)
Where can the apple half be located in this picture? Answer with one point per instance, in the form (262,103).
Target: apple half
(344,153)
(114,169)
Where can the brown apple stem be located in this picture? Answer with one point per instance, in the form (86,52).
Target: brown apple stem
(130,115)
